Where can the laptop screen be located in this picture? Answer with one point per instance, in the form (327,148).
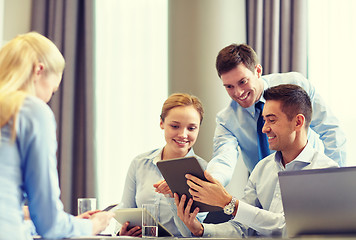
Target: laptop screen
(319,201)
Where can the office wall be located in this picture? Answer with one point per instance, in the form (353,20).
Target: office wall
(198,30)
(15,16)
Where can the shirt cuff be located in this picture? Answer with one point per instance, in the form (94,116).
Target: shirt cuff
(171,201)
(245,213)
(209,230)
(83,227)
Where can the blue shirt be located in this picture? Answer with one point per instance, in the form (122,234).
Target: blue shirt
(236,130)
(260,211)
(28,169)
(142,174)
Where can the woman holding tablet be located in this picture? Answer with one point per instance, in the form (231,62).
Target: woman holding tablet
(181,117)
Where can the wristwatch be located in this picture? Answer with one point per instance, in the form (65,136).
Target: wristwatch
(230,207)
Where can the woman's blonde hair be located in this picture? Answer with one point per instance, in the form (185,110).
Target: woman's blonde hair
(182,99)
(18,60)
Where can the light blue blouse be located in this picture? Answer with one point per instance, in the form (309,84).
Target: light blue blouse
(28,169)
(236,130)
(142,174)
(260,211)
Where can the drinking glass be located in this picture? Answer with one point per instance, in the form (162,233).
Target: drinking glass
(86,204)
(149,220)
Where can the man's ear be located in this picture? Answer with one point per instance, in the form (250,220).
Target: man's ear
(258,69)
(299,121)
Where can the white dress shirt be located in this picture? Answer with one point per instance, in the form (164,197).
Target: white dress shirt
(260,211)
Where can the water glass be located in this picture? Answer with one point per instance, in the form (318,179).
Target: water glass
(149,220)
(86,204)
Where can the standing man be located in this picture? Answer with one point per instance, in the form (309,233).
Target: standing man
(237,125)
(287,114)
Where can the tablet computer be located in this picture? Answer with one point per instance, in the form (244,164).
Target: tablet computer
(108,208)
(134,216)
(174,170)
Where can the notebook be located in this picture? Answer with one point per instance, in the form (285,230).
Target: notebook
(319,201)
(174,170)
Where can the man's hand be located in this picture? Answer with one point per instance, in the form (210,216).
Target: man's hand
(135,231)
(211,193)
(189,219)
(162,187)
(100,221)
(87,214)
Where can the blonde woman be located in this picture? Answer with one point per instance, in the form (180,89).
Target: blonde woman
(31,69)
(180,120)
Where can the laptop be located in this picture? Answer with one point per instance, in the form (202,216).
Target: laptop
(319,201)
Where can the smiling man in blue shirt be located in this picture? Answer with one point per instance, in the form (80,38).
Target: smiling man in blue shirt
(236,125)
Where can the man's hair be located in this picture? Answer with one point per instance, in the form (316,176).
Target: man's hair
(294,100)
(233,55)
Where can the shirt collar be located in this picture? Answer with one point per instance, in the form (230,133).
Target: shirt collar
(157,156)
(305,156)
(252,109)
(265,86)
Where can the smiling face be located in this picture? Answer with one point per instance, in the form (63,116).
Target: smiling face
(280,131)
(181,128)
(242,85)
